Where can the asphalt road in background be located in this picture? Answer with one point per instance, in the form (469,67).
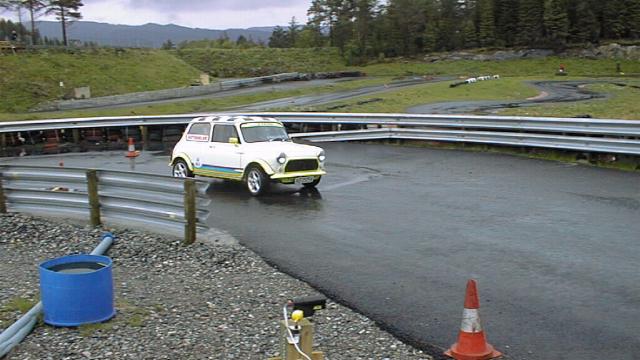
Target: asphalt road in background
(551,92)
(395,233)
(323,99)
(303,100)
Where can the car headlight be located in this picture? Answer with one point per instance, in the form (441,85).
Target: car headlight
(322,157)
(282,158)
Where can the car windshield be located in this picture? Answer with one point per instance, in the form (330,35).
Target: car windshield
(258,132)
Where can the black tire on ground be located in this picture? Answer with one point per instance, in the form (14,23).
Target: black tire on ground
(313,183)
(180,169)
(256,181)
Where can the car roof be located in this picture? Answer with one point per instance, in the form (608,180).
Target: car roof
(234,119)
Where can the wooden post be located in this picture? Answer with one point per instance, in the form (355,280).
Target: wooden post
(144,132)
(3,200)
(288,351)
(189,211)
(94,197)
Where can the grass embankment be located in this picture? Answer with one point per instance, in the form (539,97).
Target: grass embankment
(624,103)
(32,78)
(27,79)
(203,105)
(262,61)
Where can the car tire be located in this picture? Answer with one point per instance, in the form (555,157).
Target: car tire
(313,183)
(180,169)
(256,181)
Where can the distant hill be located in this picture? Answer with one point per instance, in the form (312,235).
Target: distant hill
(148,35)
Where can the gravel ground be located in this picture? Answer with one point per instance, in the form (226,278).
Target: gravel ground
(173,302)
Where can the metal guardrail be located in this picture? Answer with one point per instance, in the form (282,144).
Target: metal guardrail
(149,201)
(233,84)
(578,143)
(598,135)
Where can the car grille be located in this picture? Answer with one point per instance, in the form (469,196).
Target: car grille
(301,165)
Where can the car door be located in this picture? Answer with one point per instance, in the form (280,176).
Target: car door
(196,144)
(226,158)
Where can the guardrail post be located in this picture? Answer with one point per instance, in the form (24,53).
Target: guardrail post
(76,136)
(189,211)
(3,140)
(94,198)
(144,131)
(3,200)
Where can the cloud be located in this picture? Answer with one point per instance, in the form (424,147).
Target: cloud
(210,14)
(208,5)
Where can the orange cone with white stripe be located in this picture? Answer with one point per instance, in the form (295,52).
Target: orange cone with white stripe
(132,149)
(472,344)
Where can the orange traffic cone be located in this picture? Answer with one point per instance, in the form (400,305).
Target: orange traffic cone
(472,344)
(132,149)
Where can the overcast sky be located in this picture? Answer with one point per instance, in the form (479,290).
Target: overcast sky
(209,14)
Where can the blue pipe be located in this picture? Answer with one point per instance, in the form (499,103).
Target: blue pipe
(15,333)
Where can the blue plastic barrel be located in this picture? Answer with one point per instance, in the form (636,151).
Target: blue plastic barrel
(77,290)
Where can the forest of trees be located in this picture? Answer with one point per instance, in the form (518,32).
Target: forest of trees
(223,42)
(364,29)
(65,11)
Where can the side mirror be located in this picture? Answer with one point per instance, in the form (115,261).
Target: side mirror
(234,141)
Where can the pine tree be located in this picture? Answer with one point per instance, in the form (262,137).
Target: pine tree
(363,18)
(470,35)
(293,32)
(632,19)
(168,45)
(530,14)
(506,15)
(65,11)
(556,23)
(613,15)
(449,25)
(34,7)
(486,23)
(430,35)
(407,23)
(583,23)
(279,38)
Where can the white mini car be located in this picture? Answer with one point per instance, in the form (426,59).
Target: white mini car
(253,149)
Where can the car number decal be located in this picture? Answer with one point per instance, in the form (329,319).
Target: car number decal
(193,137)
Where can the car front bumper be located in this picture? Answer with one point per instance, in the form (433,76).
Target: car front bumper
(291,176)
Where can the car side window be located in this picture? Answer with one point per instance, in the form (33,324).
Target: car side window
(222,133)
(199,132)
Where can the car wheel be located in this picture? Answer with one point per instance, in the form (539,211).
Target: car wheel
(256,180)
(313,183)
(181,169)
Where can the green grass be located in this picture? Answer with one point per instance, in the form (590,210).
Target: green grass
(30,78)
(13,306)
(19,304)
(398,101)
(624,103)
(262,61)
(204,105)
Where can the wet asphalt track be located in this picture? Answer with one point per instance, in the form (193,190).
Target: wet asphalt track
(322,99)
(553,92)
(395,233)
(305,100)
